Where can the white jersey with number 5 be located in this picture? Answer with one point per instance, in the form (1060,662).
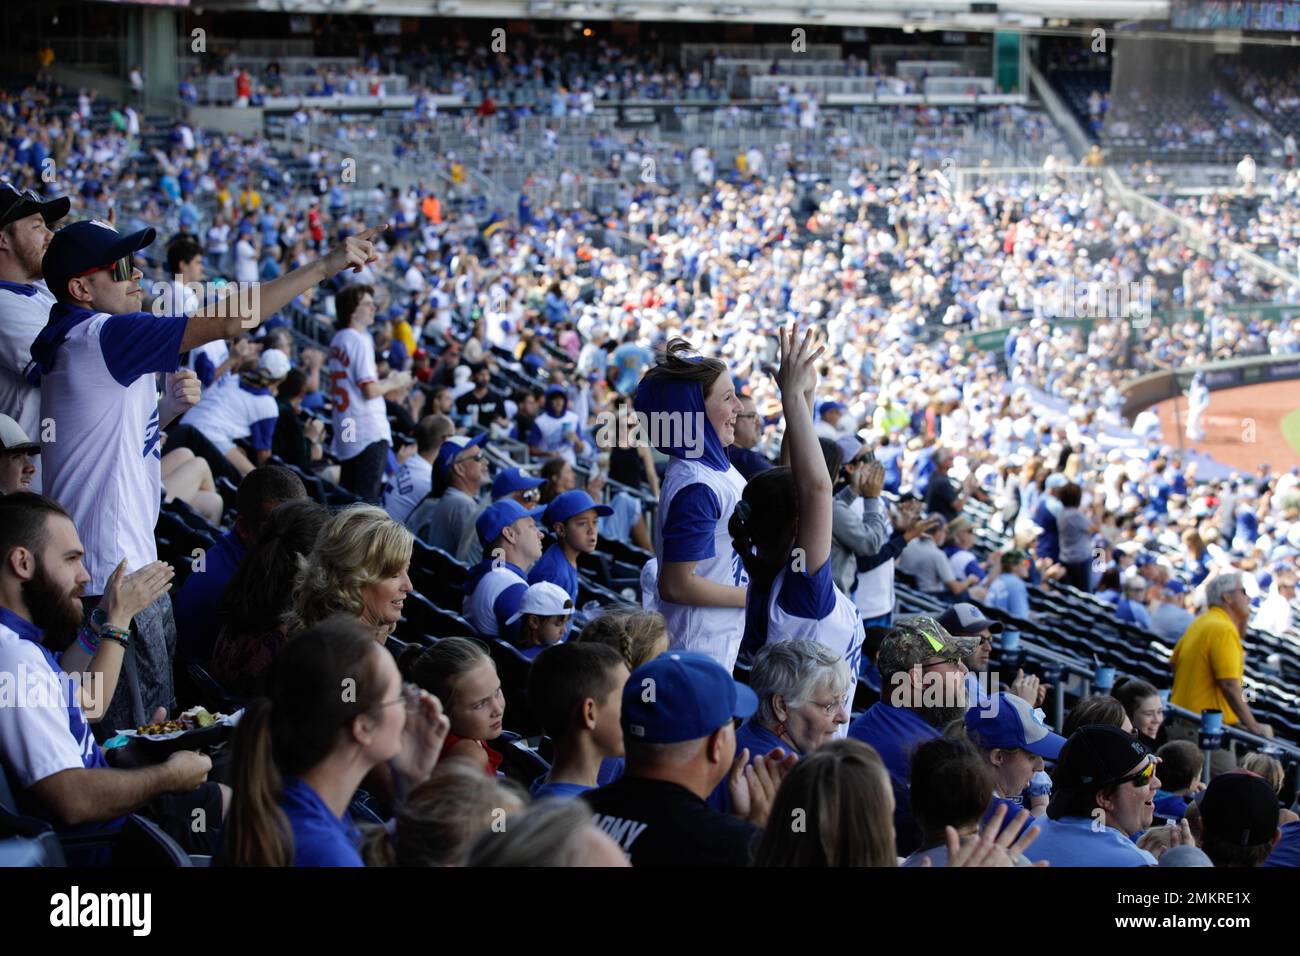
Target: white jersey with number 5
(359,422)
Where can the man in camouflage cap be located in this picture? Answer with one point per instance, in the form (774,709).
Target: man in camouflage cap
(922,690)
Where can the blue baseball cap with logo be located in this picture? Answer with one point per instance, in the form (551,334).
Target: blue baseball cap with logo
(682,695)
(86,245)
(499,515)
(452,447)
(1007,722)
(570,504)
(511,480)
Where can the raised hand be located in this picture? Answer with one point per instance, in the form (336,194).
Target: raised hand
(354,252)
(126,595)
(798,371)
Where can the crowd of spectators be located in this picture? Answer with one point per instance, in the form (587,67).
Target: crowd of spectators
(804,345)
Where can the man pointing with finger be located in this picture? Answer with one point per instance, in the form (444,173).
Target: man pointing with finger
(96,361)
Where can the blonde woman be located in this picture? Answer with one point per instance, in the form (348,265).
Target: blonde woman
(360,566)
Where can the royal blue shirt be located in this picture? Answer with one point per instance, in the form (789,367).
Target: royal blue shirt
(760,742)
(563,791)
(1171,806)
(895,733)
(199,599)
(1287,850)
(319,837)
(553,566)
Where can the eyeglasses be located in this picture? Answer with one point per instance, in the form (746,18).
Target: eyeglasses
(123,270)
(531,495)
(829,709)
(478,456)
(946,660)
(410,697)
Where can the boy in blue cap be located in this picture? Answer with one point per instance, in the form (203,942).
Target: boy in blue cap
(573,518)
(495,586)
(680,744)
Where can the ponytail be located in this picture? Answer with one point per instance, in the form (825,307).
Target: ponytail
(762,532)
(318,684)
(257,832)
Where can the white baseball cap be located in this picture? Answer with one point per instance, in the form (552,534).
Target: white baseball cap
(13,438)
(273,364)
(544,599)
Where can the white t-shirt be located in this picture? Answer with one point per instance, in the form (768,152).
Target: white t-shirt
(225,415)
(245,261)
(408,488)
(103,463)
(359,422)
(24,310)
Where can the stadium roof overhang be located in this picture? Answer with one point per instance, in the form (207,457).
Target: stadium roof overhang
(921,14)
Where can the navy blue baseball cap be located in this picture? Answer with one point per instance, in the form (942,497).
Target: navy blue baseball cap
(453,446)
(572,503)
(86,245)
(511,480)
(682,695)
(499,515)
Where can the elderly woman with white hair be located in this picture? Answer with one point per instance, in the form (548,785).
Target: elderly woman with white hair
(801,688)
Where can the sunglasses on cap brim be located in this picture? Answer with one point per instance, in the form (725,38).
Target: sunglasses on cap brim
(122,270)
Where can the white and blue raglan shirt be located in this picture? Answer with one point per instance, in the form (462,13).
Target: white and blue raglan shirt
(47,732)
(24,309)
(804,606)
(699,491)
(103,461)
(493,593)
(244,412)
(205,359)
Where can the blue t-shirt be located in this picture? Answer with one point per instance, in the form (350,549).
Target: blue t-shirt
(553,566)
(611,768)
(1072,841)
(1171,806)
(760,742)
(319,837)
(1009,593)
(895,733)
(747,461)
(1287,850)
(197,602)
(542,788)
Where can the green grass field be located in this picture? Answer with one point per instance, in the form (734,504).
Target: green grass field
(1291,429)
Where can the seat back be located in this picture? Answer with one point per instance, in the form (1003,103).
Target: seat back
(141,843)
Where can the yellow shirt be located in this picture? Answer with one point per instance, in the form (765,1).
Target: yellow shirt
(403,332)
(1210,651)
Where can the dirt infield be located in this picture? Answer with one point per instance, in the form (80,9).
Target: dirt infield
(1243,426)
